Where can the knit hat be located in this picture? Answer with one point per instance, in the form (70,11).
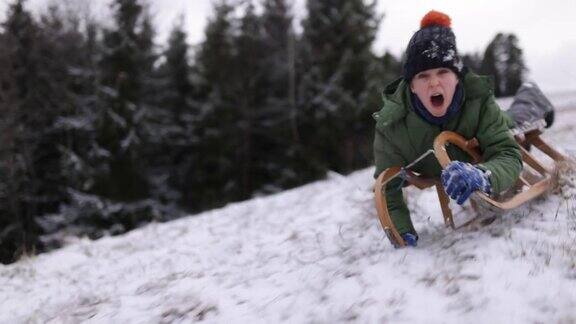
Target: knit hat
(433,46)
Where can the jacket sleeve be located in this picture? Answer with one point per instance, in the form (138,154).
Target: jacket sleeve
(386,155)
(501,153)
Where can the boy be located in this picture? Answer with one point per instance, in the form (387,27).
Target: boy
(436,93)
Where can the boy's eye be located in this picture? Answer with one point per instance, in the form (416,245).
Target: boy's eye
(422,76)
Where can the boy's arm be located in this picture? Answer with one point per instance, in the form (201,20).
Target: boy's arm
(386,156)
(501,153)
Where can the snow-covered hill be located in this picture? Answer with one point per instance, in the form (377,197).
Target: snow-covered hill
(315,254)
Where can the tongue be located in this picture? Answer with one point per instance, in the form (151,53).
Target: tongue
(437,100)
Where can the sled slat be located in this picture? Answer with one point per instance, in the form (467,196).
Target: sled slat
(524,181)
(531,161)
(418,181)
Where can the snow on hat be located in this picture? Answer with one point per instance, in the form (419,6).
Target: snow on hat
(433,46)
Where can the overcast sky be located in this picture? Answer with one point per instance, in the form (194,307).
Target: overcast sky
(546,29)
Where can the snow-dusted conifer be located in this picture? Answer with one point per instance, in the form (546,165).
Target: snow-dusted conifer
(251,90)
(124,66)
(35,92)
(336,58)
(173,123)
(280,126)
(503,61)
(218,118)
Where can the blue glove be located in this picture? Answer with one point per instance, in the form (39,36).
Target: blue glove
(461,179)
(410,239)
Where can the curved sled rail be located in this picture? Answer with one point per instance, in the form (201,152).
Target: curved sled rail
(471,147)
(421,183)
(382,206)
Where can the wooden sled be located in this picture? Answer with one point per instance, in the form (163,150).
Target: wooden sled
(535,179)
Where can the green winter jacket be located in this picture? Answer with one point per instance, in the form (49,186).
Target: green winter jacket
(402,136)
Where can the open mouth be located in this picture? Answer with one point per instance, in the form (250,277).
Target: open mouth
(437,100)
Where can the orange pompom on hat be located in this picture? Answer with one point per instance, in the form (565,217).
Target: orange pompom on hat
(434,17)
(433,46)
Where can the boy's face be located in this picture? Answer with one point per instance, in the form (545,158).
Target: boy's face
(435,88)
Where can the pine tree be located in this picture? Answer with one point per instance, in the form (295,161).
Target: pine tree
(279,139)
(251,87)
(35,77)
(74,35)
(515,68)
(90,163)
(336,55)
(504,62)
(174,123)
(177,75)
(278,38)
(81,161)
(493,63)
(217,123)
(125,66)
(13,175)
(164,103)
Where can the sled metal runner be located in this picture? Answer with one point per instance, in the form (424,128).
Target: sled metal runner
(535,179)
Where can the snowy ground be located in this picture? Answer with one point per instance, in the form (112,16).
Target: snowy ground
(314,254)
